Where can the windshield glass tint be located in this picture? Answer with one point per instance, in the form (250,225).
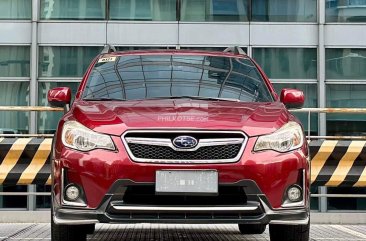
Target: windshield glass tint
(143,77)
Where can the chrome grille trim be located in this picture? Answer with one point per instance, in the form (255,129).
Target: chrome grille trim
(131,208)
(168,143)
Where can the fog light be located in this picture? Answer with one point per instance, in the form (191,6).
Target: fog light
(72,193)
(294,193)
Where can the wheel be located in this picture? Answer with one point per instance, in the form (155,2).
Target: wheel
(67,232)
(252,228)
(89,228)
(289,232)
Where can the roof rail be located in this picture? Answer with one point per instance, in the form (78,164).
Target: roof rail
(108,49)
(235,50)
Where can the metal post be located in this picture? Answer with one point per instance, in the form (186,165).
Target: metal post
(250,51)
(323,201)
(321,67)
(33,92)
(309,124)
(34,59)
(32,199)
(1,198)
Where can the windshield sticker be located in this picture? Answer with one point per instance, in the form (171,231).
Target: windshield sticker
(108,59)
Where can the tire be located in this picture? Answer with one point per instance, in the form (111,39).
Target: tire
(289,232)
(252,228)
(67,232)
(89,228)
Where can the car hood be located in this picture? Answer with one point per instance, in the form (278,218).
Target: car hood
(114,117)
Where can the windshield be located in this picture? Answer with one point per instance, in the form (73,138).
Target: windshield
(133,77)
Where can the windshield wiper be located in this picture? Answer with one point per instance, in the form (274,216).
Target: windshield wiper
(166,97)
(103,99)
(196,98)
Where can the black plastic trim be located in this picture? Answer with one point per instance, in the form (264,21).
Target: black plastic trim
(266,214)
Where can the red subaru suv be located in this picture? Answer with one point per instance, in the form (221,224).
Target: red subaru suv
(179,137)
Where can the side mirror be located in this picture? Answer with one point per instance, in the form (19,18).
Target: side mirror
(292,98)
(59,97)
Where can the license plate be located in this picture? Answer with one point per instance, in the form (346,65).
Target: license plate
(204,182)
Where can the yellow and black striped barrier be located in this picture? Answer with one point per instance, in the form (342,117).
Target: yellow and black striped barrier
(334,163)
(25,161)
(338,163)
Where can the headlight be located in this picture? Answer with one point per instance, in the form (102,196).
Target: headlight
(77,136)
(287,138)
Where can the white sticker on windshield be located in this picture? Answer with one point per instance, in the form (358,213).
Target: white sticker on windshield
(108,59)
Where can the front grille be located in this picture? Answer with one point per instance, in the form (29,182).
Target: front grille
(159,147)
(203,153)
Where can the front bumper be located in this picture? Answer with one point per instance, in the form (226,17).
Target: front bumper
(256,210)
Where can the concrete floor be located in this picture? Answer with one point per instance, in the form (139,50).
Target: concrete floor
(179,232)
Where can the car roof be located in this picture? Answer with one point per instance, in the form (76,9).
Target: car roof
(175,52)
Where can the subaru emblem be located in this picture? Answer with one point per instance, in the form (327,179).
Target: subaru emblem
(185,142)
